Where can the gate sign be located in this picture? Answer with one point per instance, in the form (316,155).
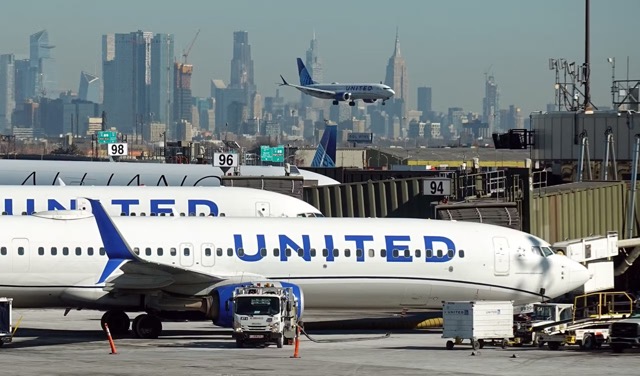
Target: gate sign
(107,137)
(437,186)
(118,149)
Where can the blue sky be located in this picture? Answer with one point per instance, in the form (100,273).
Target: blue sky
(448,45)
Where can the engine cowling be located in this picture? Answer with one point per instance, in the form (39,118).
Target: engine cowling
(221,295)
(343,96)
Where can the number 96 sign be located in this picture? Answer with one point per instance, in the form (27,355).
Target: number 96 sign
(118,149)
(225,160)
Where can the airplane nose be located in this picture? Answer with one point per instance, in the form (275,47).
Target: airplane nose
(392,92)
(578,274)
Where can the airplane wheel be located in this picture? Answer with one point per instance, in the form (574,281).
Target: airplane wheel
(118,322)
(352,103)
(450,345)
(335,103)
(147,326)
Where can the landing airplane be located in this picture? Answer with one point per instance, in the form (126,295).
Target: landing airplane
(369,93)
(189,266)
(147,201)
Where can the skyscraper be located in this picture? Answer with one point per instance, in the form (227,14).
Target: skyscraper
(182,92)
(241,63)
(7,90)
(397,73)
(42,74)
(314,66)
(491,104)
(138,79)
(424,102)
(89,89)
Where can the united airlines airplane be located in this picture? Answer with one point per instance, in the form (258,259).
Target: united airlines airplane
(188,266)
(149,201)
(369,93)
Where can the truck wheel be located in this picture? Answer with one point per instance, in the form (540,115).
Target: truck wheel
(589,342)
(480,343)
(553,345)
(617,348)
(280,342)
(449,345)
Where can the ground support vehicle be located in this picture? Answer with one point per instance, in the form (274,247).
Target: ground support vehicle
(625,333)
(6,329)
(478,321)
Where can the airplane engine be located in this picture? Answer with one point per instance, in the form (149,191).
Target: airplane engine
(343,96)
(223,317)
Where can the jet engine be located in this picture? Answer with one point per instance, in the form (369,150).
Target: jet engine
(223,294)
(343,96)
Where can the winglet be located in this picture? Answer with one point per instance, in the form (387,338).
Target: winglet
(115,246)
(284,82)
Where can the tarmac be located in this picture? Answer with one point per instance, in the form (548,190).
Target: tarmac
(47,343)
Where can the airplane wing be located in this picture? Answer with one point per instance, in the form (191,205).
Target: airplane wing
(126,271)
(319,93)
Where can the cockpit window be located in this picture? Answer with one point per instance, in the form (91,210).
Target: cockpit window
(309,215)
(536,250)
(547,251)
(541,251)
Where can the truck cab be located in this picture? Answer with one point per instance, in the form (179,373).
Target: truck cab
(263,315)
(625,333)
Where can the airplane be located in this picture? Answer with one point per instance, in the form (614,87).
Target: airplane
(326,152)
(162,201)
(187,267)
(50,172)
(369,93)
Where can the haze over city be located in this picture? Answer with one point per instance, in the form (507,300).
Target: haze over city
(447,45)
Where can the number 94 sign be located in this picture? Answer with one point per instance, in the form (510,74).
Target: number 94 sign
(225,160)
(437,186)
(118,149)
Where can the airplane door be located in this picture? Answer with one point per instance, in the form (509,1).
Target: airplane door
(187,254)
(19,254)
(208,255)
(500,256)
(262,209)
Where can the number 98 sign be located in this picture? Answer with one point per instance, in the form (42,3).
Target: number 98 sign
(118,149)
(225,160)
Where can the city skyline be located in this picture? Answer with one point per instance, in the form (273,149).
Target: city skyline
(448,46)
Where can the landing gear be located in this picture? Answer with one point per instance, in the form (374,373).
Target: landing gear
(335,103)
(352,103)
(118,322)
(147,326)
(384,102)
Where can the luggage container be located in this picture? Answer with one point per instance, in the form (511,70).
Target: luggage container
(5,320)
(478,321)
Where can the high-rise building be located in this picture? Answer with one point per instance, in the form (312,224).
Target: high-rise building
(138,79)
(42,71)
(89,89)
(314,66)
(7,90)
(241,63)
(396,76)
(22,71)
(424,102)
(491,104)
(182,92)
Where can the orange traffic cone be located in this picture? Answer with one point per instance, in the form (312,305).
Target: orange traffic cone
(296,347)
(113,345)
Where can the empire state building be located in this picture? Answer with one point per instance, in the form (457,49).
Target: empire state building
(396,76)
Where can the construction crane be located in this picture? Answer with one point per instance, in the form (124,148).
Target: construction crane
(185,53)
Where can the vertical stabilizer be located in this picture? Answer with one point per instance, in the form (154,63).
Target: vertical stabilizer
(305,77)
(326,153)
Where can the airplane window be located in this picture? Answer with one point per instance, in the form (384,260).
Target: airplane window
(143,214)
(383,253)
(4,213)
(173,251)
(192,214)
(240,252)
(263,252)
(301,215)
(547,251)
(202,214)
(171,214)
(372,253)
(41,251)
(186,251)
(123,214)
(288,252)
(276,252)
(461,253)
(136,250)
(160,251)
(336,252)
(429,253)
(395,253)
(300,252)
(536,250)
(347,253)
(319,215)
(78,251)
(218,251)
(102,251)
(147,251)
(20,251)
(182,214)
(418,253)
(207,252)
(359,253)
(312,252)
(90,251)
(54,251)
(229,252)
(325,252)
(65,251)
(133,214)
(439,253)
(451,253)
(3,251)
(24,213)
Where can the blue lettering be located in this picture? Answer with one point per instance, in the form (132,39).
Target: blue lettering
(53,204)
(31,206)
(328,242)
(213,208)
(369,88)
(125,203)
(359,240)
(8,206)
(237,238)
(286,242)
(73,203)
(155,206)
(429,244)
(394,249)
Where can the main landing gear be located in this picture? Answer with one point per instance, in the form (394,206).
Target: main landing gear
(144,326)
(352,103)
(335,103)
(384,102)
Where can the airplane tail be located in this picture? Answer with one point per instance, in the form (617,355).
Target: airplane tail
(326,152)
(305,77)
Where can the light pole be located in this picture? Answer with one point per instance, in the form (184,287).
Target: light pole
(612,61)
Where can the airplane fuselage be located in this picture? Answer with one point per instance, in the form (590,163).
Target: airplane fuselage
(356,91)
